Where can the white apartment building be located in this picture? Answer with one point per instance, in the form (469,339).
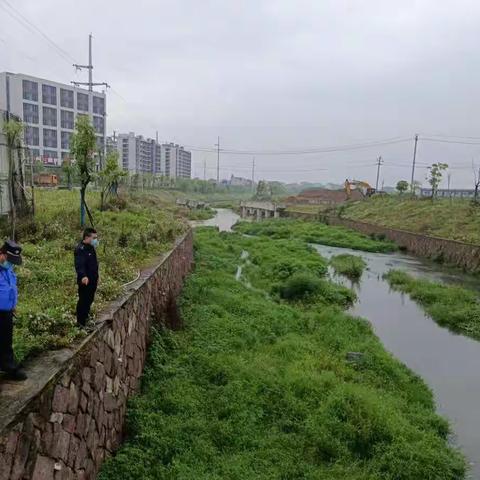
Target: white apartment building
(144,155)
(176,161)
(49,110)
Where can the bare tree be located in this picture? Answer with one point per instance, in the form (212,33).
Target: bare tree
(476,179)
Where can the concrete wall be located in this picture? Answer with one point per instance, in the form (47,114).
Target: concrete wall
(463,255)
(69,415)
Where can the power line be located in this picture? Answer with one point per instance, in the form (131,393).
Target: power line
(30,26)
(313,150)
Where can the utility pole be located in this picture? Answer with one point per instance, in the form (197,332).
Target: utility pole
(90,84)
(253,174)
(379,163)
(412,186)
(204,170)
(218,159)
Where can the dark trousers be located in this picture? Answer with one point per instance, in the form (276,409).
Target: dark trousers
(86,295)
(7,360)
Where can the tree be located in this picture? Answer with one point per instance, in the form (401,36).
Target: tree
(109,178)
(13,130)
(82,147)
(476,180)
(402,186)
(68,168)
(264,192)
(435,174)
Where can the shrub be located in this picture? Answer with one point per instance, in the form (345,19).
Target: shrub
(299,286)
(351,266)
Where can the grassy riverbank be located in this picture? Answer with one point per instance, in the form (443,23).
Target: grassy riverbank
(314,232)
(453,219)
(455,307)
(260,387)
(131,233)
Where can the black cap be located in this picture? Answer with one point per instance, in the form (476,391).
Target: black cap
(13,251)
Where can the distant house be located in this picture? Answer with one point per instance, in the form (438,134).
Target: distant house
(322,196)
(240,182)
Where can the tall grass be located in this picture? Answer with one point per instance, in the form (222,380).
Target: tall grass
(452,306)
(257,387)
(351,266)
(314,232)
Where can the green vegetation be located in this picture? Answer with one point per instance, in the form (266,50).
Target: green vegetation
(454,219)
(314,232)
(131,232)
(351,266)
(200,214)
(256,387)
(454,307)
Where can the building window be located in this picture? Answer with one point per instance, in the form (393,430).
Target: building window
(30,90)
(49,94)
(81,115)
(50,157)
(82,102)
(66,138)
(99,124)
(32,136)
(66,98)
(66,119)
(30,113)
(99,105)
(50,116)
(33,154)
(49,138)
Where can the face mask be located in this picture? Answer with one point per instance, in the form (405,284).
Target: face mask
(95,242)
(6,264)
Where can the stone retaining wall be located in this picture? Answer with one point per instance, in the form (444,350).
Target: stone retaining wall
(463,255)
(68,416)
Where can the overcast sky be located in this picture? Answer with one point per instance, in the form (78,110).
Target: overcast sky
(273,75)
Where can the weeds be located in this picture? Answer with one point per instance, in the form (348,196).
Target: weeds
(351,266)
(256,387)
(314,232)
(454,307)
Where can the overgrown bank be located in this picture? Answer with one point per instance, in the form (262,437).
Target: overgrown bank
(455,307)
(133,230)
(260,387)
(453,219)
(314,232)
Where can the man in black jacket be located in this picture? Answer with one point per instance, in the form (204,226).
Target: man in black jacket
(86,266)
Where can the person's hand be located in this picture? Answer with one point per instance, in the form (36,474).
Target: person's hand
(85,281)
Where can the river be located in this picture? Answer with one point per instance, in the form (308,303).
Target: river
(449,363)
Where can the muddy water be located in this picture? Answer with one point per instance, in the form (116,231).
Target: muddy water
(449,363)
(224,219)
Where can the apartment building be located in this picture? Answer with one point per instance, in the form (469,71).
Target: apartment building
(176,161)
(144,155)
(49,110)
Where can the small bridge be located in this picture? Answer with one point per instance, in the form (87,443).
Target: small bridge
(261,210)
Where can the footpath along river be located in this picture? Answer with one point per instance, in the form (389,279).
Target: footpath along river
(449,363)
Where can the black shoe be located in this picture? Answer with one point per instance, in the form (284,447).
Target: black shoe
(17,374)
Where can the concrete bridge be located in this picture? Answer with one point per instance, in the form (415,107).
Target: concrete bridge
(261,210)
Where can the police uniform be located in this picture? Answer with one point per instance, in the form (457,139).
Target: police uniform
(86,265)
(8,303)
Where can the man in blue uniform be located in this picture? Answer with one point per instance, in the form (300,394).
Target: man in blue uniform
(86,266)
(10,254)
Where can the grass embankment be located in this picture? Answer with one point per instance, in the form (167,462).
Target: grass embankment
(129,237)
(315,232)
(260,388)
(351,266)
(455,219)
(454,307)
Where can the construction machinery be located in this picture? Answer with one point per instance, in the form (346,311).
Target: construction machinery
(364,187)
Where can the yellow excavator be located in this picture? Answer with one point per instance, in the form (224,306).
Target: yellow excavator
(365,188)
